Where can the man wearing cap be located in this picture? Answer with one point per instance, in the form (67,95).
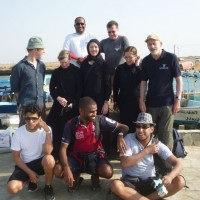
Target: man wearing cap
(76,43)
(138,168)
(159,69)
(27,77)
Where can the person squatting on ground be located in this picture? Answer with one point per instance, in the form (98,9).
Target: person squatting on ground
(65,88)
(27,78)
(138,169)
(126,88)
(159,69)
(86,153)
(31,149)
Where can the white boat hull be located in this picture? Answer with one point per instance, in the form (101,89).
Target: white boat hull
(188,115)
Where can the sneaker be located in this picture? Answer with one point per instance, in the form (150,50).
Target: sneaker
(48,191)
(32,187)
(96,185)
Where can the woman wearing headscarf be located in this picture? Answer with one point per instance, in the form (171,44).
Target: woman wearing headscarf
(97,83)
(96,77)
(65,89)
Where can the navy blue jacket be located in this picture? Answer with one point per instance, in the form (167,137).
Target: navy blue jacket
(28,82)
(159,74)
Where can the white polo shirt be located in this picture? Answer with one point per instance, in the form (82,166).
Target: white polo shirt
(77,44)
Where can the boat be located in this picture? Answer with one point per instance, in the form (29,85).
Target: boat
(189,112)
(186,65)
(8,107)
(187,74)
(196,74)
(9,120)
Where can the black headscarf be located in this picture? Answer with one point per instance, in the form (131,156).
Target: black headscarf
(98,56)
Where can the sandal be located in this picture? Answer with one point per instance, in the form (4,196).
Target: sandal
(76,185)
(96,185)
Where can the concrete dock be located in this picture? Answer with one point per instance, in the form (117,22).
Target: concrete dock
(191,172)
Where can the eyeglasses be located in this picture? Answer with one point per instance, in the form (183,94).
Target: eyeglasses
(78,24)
(109,32)
(143,126)
(33,119)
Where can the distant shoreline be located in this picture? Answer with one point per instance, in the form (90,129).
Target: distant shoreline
(5,69)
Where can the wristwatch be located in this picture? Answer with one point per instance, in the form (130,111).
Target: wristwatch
(178,98)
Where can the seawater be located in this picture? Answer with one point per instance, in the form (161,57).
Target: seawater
(190,84)
(5,93)
(6,78)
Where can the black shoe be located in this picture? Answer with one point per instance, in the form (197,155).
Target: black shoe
(32,187)
(48,191)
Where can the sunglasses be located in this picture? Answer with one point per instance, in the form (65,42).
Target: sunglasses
(33,119)
(78,24)
(143,126)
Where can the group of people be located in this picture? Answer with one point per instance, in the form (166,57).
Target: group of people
(72,138)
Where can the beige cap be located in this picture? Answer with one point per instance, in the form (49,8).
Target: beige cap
(153,37)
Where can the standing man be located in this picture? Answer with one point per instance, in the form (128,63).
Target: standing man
(138,167)
(114,46)
(158,69)
(27,78)
(31,149)
(76,43)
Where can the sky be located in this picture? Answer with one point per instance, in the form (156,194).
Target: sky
(175,21)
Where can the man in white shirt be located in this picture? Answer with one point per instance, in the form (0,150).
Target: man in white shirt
(76,43)
(138,167)
(31,149)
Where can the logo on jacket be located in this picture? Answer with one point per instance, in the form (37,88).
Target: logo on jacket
(164,66)
(79,135)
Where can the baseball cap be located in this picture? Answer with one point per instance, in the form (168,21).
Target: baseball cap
(153,37)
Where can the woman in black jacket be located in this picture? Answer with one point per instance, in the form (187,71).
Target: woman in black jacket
(97,83)
(96,77)
(65,89)
(126,88)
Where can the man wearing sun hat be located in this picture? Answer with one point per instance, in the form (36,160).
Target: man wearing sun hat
(138,169)
(27,77)
(157,94)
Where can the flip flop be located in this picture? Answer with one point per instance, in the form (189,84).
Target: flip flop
(76,185)
(96,185)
